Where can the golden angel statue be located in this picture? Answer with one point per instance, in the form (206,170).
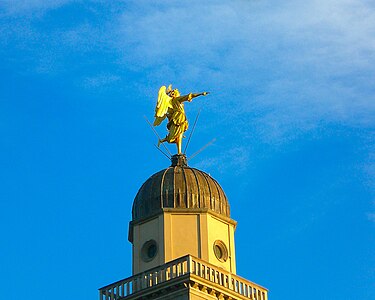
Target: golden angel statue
(170,104)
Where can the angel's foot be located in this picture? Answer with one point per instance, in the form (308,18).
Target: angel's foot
(159,142)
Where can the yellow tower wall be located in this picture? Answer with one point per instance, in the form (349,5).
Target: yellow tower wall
(184,232)
(152,229)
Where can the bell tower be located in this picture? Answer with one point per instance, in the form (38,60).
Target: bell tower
(180,211)
(182,240)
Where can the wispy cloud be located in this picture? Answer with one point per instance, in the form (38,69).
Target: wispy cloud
(295,64)
(236,158)
(371,217)
(282,68)
(100,80)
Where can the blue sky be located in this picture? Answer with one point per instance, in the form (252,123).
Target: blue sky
(292,109)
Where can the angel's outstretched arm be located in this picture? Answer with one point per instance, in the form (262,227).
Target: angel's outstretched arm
(190,96)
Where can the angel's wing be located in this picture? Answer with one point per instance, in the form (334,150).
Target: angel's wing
(164,102)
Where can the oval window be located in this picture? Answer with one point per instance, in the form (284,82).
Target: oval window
(149,250)
(220,251)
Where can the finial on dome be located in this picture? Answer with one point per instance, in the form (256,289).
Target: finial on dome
(179,160)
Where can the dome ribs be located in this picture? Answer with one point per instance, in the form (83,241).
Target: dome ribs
(196,198)
(179,187)
(218,203)
(168,188)
(204,198)
(186,194)
(163,200)
(210,198)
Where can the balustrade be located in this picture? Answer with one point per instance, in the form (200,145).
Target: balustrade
(177,268)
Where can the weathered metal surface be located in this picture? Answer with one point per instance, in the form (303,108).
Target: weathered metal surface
(179,186)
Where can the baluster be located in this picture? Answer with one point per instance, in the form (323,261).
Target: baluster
(160,276)
(148,279)
(127,289)
(247,291)
(183,265)
(188,265)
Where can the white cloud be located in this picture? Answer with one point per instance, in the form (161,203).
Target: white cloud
(299,62)
(286,67)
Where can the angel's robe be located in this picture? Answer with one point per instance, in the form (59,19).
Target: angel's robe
(178,123)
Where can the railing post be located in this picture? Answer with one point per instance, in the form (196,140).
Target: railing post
(112,293)
(188,264)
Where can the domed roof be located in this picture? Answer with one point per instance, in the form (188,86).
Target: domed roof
(179,187)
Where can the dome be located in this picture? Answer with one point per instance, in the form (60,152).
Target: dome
(179,187)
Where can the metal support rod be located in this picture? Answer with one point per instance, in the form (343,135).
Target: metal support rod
(162,152)
(201,149)
(192,131)
(153,129)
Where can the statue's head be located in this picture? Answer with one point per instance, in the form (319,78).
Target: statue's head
(174,93)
